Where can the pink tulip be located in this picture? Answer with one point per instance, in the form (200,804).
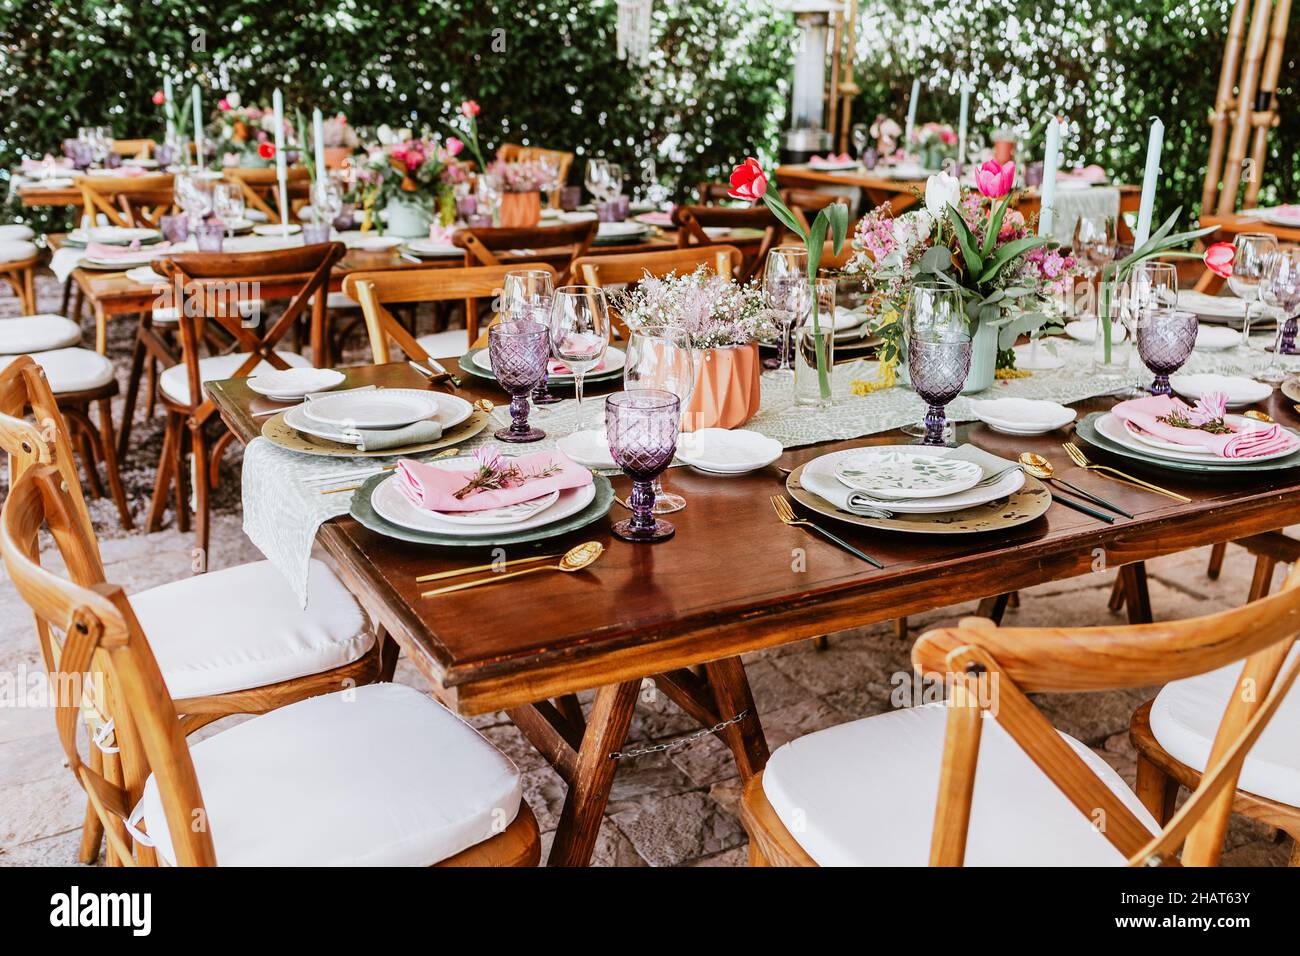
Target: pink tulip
(994,179)
(469,109)
(1219,258)
(454,146)
(159,98)
(748,181)
(223,105)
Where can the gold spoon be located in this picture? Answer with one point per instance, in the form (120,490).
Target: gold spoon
(1264,417)
(575,559)
(1042,469)
(483,405)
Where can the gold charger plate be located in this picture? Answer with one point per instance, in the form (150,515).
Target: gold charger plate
(1291,389)
(1030,502)
(277,432)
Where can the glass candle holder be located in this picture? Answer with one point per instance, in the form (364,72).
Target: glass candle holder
(175,228)
(315,233)
(641,426)
(210,235)
(519,353)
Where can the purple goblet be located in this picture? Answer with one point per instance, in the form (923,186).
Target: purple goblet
(1165,338)
(937,366)
(519,353)
(176,228)
(210,234)
(641,426)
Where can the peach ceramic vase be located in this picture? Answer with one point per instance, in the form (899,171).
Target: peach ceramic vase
(521,210)
(727,388)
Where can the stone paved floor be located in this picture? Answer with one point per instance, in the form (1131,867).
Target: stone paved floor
(670,809)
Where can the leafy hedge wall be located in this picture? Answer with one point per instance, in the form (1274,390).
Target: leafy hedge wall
(1108,66)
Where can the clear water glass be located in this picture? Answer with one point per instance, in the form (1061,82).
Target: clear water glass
(807,343)
(660,357)
(1279,290)
(1095,241)
(228,204)
(326,200)
(579,330)
(1252,248)
(785,285)
(641,427)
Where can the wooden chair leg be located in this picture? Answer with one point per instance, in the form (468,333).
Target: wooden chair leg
(67,296)
(199,480)
(92,828)
(821,643)
(584,806)
(1217,554)
(1136,595)
(28,293)
(82,430)
(1295,852)
(166,472)
(1157,791)
(1116,602)
(900,628)
(138,358)
(181,486)
(109,450)
(151,397)
(1262,582)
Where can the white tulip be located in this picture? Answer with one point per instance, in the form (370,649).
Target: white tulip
(385,134)
(942,191)
(233,100)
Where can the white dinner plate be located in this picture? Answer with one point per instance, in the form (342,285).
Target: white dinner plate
(144,275)
(1240,391)
(1212,306)
(369,241)
(373,408)
(293,384)
(495,517)
(613,361)
(122,262)
(451,412)
(834,166)
(1022,416)
(392,505)
(113,235)
(620,230)
(900,473)
(589,448)
(277,229)
(723,451)
(1283,216)
(1035,356)
(431,249)
(1116,430)
(1216,338)
(820,473)
(1085,330)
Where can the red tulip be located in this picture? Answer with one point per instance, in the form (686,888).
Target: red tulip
(748,181)
(995,179)
(1220,257)
(469,109)
(159,98)
(266,150)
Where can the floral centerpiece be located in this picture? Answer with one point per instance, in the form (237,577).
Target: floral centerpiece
(520,186)
(723,321)
(974,242)
(933,143)
(409,179)
(245,135)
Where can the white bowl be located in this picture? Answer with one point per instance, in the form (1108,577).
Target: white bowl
(1022,416)
(721,451)
(293,384)
(1239,390)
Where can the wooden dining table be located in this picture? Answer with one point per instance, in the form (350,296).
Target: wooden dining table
(733,579)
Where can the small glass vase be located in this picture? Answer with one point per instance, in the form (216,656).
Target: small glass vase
(808,384)
(1111,357)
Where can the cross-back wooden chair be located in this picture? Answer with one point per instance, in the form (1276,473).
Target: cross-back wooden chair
(261,188)
(537,244)
(129,201)
(134,148)
(209,289)
(40,437)
(378,291)
(710,194)
(692,221)
(1024,762)
(807,203)
(515,153)
(605,271)
(149,802)
(20,272)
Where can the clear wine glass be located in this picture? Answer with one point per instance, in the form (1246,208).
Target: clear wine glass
(579,332)
(1252,248)
(228,204)
(596,177)
(615,179)
(661,357)
(1279,289)
(934,311)
(1095,240)
(785,284)
(861,136)
(326,200)
(527,295)
(1148,285)
(641,427)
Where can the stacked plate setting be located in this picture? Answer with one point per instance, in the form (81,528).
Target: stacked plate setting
(480,363)
(1152,448)
(339,417)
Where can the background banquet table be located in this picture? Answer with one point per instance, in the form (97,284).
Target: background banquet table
(732,580)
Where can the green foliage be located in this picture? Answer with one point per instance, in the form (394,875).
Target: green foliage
(545,72)
(1108,66)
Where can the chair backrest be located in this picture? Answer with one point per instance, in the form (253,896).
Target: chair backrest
(480,245)
(807,203)
(103,653)
(212,286)
(990,668)
(134,148)
(514,153)
(131,201)
(712,193)
(377,290)
(604,271)
(691,221)
(261,187)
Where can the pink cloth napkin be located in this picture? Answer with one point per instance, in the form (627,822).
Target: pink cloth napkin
(656,218)
(831,160)
(434,488)
(1146,412)
(37,164)
(556,367)
(101,250)
(1085,174)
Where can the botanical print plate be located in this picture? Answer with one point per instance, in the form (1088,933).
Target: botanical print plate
(1029,503)
(278,432)
(900,474)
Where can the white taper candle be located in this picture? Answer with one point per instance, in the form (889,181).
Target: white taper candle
(281,170)
(1147,208)
(911,113)
(196,100)
(1047,192)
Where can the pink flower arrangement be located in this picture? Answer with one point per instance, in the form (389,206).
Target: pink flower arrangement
(454,147)
(995,179)
(522,177)
(1210,408)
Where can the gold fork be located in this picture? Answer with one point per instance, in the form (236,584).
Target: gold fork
(1079,458)
(785,511)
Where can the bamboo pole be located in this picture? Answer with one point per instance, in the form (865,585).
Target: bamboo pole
(1223,103)
(1255,40)
(1266,117)
(848,88)
(833,98)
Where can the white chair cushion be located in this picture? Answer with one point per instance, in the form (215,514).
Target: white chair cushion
(376,776)
(175,382)
(12,250)
(864,794)
(169,314)
(450,344)
(341,300)
(1185,717)
(37,333)
(16,232)
(242,627)
(71,370)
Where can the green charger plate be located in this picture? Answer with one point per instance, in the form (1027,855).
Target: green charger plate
(366,514)
(468,366)
(1087,430)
